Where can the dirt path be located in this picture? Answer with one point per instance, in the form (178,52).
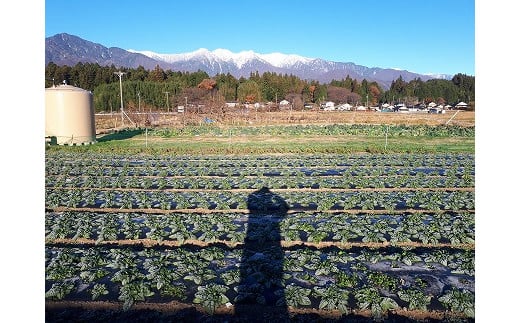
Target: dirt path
(187,312)
(230,244)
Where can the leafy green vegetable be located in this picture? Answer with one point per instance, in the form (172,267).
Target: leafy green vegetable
(59,290)
(459,300)
(369,298)
(211,296)
(416,299)
(294,295)
(134,291)
(333,298)
(98,290)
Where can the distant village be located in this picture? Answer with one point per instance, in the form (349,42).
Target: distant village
(431,107)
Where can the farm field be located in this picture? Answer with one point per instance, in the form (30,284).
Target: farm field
(286,235)
(252,118)
(372,133)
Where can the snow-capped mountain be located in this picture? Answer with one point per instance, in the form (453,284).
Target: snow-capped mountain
(64,49)
(440,76)
(220,55)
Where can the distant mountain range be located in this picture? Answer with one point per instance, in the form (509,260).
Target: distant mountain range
(65,49)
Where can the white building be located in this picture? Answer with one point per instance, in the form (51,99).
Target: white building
(329,106)
(344,107)
(231,104)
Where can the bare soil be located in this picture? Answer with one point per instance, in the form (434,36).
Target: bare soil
(236,190)
(285,244)
(107,122)
(100,311)
(200,210)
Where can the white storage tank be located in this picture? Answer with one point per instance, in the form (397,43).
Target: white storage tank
(69,115)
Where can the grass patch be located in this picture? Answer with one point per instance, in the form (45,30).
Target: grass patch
(137,142)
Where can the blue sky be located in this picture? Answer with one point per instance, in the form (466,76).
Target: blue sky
(415,35)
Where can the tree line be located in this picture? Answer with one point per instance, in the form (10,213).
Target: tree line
(160,89)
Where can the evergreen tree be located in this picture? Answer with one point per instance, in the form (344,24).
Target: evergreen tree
(249,92)
(157,75)
(270,86)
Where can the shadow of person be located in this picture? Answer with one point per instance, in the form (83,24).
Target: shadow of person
(261,294)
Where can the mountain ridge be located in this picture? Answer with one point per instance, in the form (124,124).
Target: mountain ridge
(66,49)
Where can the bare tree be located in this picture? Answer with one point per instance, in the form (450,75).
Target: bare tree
(353,98)
(337,94)
(296,100)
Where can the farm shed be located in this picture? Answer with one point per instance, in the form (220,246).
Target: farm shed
(69,115)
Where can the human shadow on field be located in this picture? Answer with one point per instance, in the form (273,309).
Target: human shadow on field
(261,290)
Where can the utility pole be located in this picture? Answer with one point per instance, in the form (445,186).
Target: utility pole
(184,111)
(120,74)
(139,100)
(167,102)
(123,114)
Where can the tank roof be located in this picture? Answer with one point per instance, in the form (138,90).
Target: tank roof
(65,87)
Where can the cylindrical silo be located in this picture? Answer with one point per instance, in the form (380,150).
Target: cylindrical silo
(69,115)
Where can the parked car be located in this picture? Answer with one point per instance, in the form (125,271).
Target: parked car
(436,110)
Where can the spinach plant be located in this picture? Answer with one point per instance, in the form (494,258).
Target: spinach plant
(333,298)
(459,300)
(211,296)
(295,296)
(416,299)
(369,298)
(98,290)
(59,290)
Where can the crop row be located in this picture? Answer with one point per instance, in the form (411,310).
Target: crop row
(223,200)
(309,278)
(172,163)
(279,182)
(208,230)
(285,172)
(322,130)
(427,228)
